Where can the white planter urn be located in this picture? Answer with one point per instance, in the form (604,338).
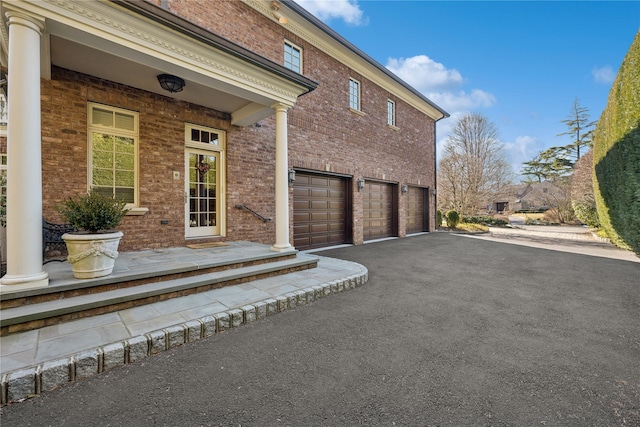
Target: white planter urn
(92,255)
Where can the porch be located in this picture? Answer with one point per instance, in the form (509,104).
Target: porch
(76,328)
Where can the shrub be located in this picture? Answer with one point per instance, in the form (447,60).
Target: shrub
(616,155)
(453,219)
(551,216)
(485,220)
(587,212)
(438,218)
(93,212)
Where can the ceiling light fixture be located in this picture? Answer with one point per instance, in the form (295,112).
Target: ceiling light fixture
(171,83)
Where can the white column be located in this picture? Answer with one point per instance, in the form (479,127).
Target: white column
(282,182)
(24,157)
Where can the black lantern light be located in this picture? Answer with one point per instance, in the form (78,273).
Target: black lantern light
(171,83)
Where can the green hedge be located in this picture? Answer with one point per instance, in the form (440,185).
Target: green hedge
(616,153)
(484,220)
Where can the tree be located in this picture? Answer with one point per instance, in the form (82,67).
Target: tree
(473,169)
(582,196)
(557,162)
(579,128)
(546,167)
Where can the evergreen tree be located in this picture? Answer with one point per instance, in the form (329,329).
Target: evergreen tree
(580,129)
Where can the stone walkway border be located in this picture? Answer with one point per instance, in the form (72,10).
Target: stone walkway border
(32,381)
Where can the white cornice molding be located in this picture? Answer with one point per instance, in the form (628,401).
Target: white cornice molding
(110,22)
(341,53)
(4,38)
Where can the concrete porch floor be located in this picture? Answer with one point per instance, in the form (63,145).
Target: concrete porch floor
(61,344)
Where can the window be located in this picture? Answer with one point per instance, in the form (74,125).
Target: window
(113,152)
(391,113)
(3,109)
(354,94)
(292,57)
(3,174)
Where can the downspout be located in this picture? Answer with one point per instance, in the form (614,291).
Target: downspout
(435,176)
(435,166)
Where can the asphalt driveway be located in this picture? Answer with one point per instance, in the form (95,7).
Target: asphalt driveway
(448,331)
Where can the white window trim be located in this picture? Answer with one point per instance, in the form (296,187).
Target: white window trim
(391,113)
(220,148)
(222,142)
(359,97)
(295,47)
(134,208)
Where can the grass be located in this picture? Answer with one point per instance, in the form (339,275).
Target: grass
(471,228)
(532,216)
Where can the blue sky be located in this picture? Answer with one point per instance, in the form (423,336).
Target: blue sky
(520,63)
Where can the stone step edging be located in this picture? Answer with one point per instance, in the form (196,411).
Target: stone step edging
(29,382)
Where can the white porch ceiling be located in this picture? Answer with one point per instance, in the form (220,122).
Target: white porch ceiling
(88,60)
(132,42)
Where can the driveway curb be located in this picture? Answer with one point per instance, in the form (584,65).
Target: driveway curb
(28,382)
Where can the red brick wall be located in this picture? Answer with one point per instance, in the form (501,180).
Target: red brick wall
(323,135)
(250,159)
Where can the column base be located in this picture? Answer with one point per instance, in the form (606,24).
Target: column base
(283,248)
(12,283)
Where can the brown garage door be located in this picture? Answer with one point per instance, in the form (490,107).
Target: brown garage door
(416,210)
(319,211)
(379,219)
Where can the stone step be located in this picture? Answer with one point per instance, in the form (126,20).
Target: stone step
(39,314)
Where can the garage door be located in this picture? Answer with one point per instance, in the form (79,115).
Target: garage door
(416,210)
(378,210)
(319,211)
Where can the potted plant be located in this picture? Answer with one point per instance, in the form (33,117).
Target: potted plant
(94,249)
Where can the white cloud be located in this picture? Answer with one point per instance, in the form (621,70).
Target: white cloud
(604,75)
(439,84)
(424,74)
(462,101)
(347,10)
(523,149)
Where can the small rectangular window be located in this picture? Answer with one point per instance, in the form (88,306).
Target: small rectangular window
(354,94)
(391,113)
(292,57)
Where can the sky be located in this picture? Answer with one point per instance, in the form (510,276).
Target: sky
(522,64)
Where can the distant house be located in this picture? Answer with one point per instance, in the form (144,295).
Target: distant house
(530,196)
(200,114)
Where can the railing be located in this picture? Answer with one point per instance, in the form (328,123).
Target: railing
(52,243)
(247,208)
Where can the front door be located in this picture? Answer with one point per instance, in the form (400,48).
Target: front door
(203,193)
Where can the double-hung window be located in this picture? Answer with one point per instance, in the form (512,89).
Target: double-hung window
(391,113)
(113,152)
(292,57)
(354,94)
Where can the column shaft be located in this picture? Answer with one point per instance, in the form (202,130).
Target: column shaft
(24,158)
(282,182)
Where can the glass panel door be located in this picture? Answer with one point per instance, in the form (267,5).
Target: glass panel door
(202,200)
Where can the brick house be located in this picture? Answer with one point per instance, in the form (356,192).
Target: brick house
(278,116)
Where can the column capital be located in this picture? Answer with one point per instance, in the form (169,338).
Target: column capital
(35,23)
(280,107)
